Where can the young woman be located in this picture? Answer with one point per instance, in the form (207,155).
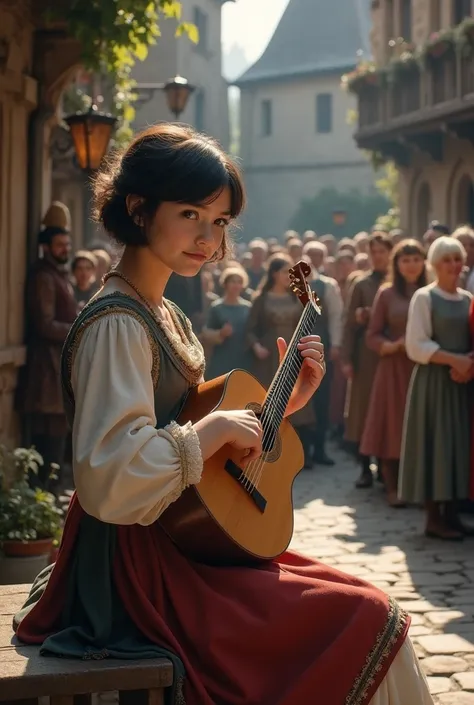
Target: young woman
(385,335)
(359,362)
(434,466)
(282,633)
(275,314)
(226,325)
(84,271)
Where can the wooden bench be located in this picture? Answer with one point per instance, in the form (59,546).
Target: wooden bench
(26,676)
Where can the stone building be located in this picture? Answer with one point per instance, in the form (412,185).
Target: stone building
(200,63)
(36,62)
(416,106)
(295,135)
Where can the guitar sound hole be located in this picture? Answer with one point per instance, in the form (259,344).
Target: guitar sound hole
(271,437)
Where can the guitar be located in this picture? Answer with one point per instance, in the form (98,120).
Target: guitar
(241,515)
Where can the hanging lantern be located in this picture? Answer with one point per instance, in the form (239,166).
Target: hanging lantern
(91,133)
(339,217)
(178,90)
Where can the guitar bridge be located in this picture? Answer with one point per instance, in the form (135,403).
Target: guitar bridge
(239,475)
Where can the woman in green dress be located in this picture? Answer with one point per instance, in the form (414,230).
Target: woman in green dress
(226,323)
(435,448)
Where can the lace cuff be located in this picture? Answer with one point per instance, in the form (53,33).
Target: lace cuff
(189,449)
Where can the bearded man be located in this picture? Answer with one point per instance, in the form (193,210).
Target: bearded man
(50,310)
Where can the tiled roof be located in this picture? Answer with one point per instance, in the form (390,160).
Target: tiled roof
(314,36)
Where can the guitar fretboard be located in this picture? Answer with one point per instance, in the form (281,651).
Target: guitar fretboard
(280,390)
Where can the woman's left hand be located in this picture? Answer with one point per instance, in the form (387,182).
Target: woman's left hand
(312,370)
(460,379)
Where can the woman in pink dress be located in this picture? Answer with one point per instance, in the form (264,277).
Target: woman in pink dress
(386,335)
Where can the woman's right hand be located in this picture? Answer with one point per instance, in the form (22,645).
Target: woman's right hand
(462,364)
(239,429)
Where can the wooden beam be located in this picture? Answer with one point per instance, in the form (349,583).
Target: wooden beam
(462,130)
(432,143)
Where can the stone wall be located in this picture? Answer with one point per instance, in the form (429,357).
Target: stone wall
(437,190)
(18,97)
(34,67)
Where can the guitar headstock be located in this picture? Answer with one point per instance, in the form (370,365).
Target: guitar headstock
(299,284)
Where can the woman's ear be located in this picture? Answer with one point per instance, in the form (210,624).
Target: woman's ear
(133,203)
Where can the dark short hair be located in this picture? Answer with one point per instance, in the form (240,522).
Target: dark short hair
(48,233)
(381,238)
(166,162)
(439,227)
(405,247)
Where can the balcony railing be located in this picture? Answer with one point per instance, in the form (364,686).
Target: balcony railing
(444,81)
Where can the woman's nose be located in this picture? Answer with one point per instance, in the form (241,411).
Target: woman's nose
(205,233)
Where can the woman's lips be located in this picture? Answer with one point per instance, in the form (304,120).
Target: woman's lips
(197,256)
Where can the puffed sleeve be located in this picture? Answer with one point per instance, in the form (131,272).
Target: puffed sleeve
(418,339)
(125,470)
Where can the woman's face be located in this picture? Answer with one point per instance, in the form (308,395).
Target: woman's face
(449,267)
(344,266)
(411,267)
(281,278)
(184,237)
(84,272)
(234,285)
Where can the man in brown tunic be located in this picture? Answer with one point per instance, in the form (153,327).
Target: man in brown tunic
(359,363)
(50,309)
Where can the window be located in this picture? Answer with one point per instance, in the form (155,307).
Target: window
(199,111)
(324,113)
(201,21)
(461,9)
(405,20)
(267,121)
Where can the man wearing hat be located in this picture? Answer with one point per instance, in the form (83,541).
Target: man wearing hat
(50,310)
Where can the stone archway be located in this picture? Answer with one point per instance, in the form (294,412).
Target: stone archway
(461,195)
(420,202)
(464,203)
(423,208)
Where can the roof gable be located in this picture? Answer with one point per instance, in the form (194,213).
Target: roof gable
(314,36)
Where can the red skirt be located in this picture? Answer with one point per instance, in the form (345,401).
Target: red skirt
(291,632)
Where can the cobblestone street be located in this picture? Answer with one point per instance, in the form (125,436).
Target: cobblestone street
(355,531)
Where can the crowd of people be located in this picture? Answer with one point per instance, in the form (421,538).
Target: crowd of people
(394,323)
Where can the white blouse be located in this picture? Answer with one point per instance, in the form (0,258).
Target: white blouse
(125,470)
(418,339)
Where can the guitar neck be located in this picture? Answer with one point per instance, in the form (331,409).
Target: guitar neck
(279,392)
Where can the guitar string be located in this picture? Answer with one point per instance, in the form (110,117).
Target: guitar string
(272,403)
(276,414)
(268,412)
(277,406)
(273,413)
(294,369)
(287,378)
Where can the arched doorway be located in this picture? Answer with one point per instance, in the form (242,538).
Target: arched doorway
(423,209)
(464,201)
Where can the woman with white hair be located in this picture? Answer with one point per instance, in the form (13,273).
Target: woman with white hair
(435,449)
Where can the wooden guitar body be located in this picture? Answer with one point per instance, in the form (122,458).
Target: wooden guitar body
(227,519)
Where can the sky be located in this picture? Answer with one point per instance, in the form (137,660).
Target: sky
(250,24)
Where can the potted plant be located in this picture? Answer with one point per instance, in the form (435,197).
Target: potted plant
(30,520)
